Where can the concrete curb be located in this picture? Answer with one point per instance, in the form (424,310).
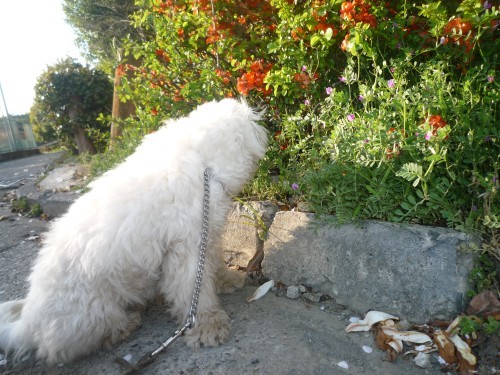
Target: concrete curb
(412,271)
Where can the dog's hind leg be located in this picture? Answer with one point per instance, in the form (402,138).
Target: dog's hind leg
(226,279)
(134,321)
(212,324)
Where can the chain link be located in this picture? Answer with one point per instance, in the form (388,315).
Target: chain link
(191,319)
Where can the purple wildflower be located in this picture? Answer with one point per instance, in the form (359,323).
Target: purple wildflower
(307,102)
(490,79)
(428,136)
(351,117)
(390,83)
(329,91)
(295,186)
(361,98)
(487,5)
(342,79)
(304,68)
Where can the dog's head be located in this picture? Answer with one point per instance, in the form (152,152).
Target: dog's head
(230,140)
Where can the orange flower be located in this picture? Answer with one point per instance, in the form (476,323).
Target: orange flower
(120,70)
(304,79)
(298,33)
(324,26)
(345,42)
(226,76)
(357,11)
(437,122)
(254,79)
(460,26)
(283,142)
(393,151)
(460,32)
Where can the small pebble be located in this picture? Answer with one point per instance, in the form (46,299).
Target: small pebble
(302,289)
(3,362)
(292,292)
(128,357)
(312,297)
(403,325)
(422,360)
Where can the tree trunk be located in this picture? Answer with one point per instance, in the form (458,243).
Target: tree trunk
(121,110)
(83,142)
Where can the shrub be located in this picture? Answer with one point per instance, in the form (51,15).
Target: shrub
(381,110)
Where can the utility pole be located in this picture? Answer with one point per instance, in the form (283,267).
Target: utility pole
(10,133)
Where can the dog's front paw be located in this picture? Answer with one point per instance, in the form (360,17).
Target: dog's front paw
(211,329)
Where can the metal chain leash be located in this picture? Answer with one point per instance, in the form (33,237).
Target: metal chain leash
(207,175)
(191,318)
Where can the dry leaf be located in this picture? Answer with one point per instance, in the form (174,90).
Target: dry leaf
(370,319)
(261,291)
(445,346)
(485,303)
(453,325)
(388,344)
(466,360)
(410,336)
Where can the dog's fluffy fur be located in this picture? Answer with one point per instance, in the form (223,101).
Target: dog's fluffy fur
(136,234)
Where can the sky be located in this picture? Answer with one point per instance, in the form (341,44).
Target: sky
(33,35)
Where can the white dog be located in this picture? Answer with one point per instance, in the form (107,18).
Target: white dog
(137,234)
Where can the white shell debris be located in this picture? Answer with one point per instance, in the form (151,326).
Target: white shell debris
(343,364)
(261,291)
(371,318)
(409,336)
(441,361)
(128,357)
(367,349)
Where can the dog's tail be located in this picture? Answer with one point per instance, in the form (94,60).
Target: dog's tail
(13,335)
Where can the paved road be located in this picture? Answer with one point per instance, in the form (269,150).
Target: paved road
(14,173)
